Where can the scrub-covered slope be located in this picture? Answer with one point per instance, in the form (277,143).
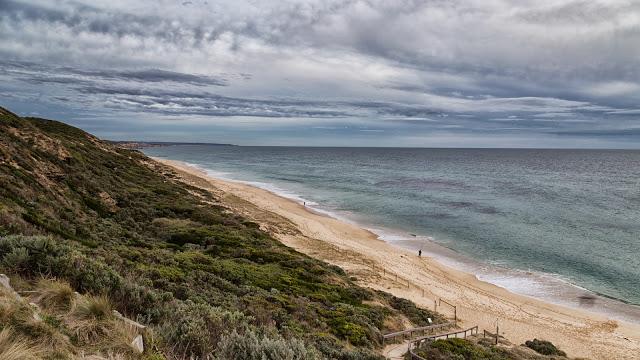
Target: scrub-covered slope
(117,226)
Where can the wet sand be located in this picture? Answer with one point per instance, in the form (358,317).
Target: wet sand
(377,264)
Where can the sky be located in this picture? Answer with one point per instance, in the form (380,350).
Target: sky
(405,73)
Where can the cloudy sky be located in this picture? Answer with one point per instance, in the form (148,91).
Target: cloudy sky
(473,73)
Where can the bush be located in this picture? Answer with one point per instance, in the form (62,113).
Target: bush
(355,333)
(17,260)
(544,347)
(332,350)
(252,346)
(461,349)
(195,329)
(418,316)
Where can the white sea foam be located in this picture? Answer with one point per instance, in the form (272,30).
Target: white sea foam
(227,176)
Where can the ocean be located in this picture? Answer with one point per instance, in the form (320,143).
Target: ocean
(552,224)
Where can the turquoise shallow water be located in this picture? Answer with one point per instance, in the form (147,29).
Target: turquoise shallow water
(572,214)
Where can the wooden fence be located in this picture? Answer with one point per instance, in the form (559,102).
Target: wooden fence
(406,283)
(496,336)
(415,344)
(422,330)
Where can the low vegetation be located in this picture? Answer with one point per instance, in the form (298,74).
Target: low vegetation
(544,347)
(119,229)
(475,348)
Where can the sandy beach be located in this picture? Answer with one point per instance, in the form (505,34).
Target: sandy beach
(379,265)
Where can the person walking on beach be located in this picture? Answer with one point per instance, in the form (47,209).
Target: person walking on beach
(420,253)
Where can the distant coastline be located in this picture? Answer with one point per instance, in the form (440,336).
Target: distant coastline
(132,144)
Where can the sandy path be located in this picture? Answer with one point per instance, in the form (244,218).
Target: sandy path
(376,264)
(395,351)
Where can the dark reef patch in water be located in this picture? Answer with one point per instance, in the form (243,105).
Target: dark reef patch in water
(418,184)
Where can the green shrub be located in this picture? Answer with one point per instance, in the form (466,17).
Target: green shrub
(331,348)
(418,316)
(251,346)
(17,260)
(544,347)
(195,329)
(462,349)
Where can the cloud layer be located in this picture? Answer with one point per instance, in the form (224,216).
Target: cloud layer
(334,72)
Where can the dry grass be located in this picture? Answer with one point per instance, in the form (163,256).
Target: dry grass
(22,318)
(9,306)
(91,319)
(54,295)
(121,337)
(14,311)
(13,347)
(101,357)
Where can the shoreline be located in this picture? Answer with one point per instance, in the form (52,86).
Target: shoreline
(546,287)
(374,262)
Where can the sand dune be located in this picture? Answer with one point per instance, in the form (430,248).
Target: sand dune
(379,265)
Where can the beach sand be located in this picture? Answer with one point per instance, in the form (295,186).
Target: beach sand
(377,264)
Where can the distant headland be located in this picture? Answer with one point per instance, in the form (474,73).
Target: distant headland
(148,144)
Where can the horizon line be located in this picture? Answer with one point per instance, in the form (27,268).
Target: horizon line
(175,143)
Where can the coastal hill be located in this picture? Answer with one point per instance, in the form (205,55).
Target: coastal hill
(103,245)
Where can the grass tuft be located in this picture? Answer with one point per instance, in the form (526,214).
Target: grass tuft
(101,357)
(13,347)
(91,319)
(54,295)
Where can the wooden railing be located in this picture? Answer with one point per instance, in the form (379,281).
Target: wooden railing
(409,283)
(455,334)
(495,336)
(421,329)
